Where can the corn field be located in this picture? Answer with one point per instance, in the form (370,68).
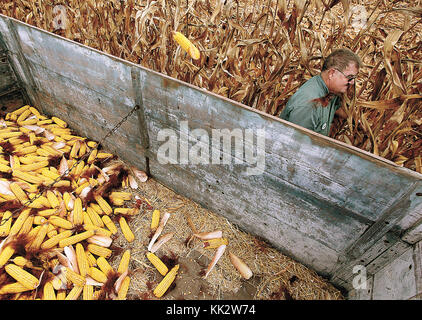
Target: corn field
(258,52)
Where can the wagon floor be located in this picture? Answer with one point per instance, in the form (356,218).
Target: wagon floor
(275,276)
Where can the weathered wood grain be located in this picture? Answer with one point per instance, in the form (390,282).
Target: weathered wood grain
(251,216)
(389,219)
(325,171)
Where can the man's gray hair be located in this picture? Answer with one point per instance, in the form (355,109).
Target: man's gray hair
(340,59)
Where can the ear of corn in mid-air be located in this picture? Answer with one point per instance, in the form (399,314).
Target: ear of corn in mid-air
(54,207)
(186,45)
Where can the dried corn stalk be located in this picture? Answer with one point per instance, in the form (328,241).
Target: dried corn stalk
(260,57)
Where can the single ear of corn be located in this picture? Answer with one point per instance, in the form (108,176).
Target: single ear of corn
(44,121)
(7,135)
(50,150)
(215,243)
(17,225)
(104,155)
(48,291)
(73,277)
(76,238)
(78,217)
(75,149)
(124,288)
(75,293)
(53,241)
(99,251)
(117,201)
(27,150)
(95,218)
(91,259)
(52,199)
(186,45)
(52,231)
(39,238)
(109,224)
(33,166)
(87,220)
(39,220)
(97,275)
(127,232)
(60,222)
(98,231)
(15,287)
(104,266)
(32,137)
(47,212)
(124,262)
(62,183)
(32,234)
(20,261)
(22,276)
(30,159)
(18,111)
(23,115)
(103,204)
(82,149)
(47,173)
(27,177)
(125,211)
(97,208)
(18,192)
(59,122)
(92,156)
(92,144)
(5,168)
(155,219)
(161,267)
(68,202)
(35,111)
(166,282)
(27,225)
(61,294)
(82,260)
(88,292)
(79,189)
(121,195)
(5,254)
(5,224)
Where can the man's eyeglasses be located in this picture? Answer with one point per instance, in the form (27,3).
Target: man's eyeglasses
(349,78)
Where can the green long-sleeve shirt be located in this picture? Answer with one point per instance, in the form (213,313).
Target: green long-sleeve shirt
(300,108)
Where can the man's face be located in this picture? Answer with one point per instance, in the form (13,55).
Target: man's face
(341,80)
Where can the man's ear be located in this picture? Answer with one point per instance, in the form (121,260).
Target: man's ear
(330,73)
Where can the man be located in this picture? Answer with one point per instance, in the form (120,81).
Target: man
(314,104)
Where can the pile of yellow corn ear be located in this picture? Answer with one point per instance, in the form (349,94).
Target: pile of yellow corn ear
(55,229)
(157,225)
